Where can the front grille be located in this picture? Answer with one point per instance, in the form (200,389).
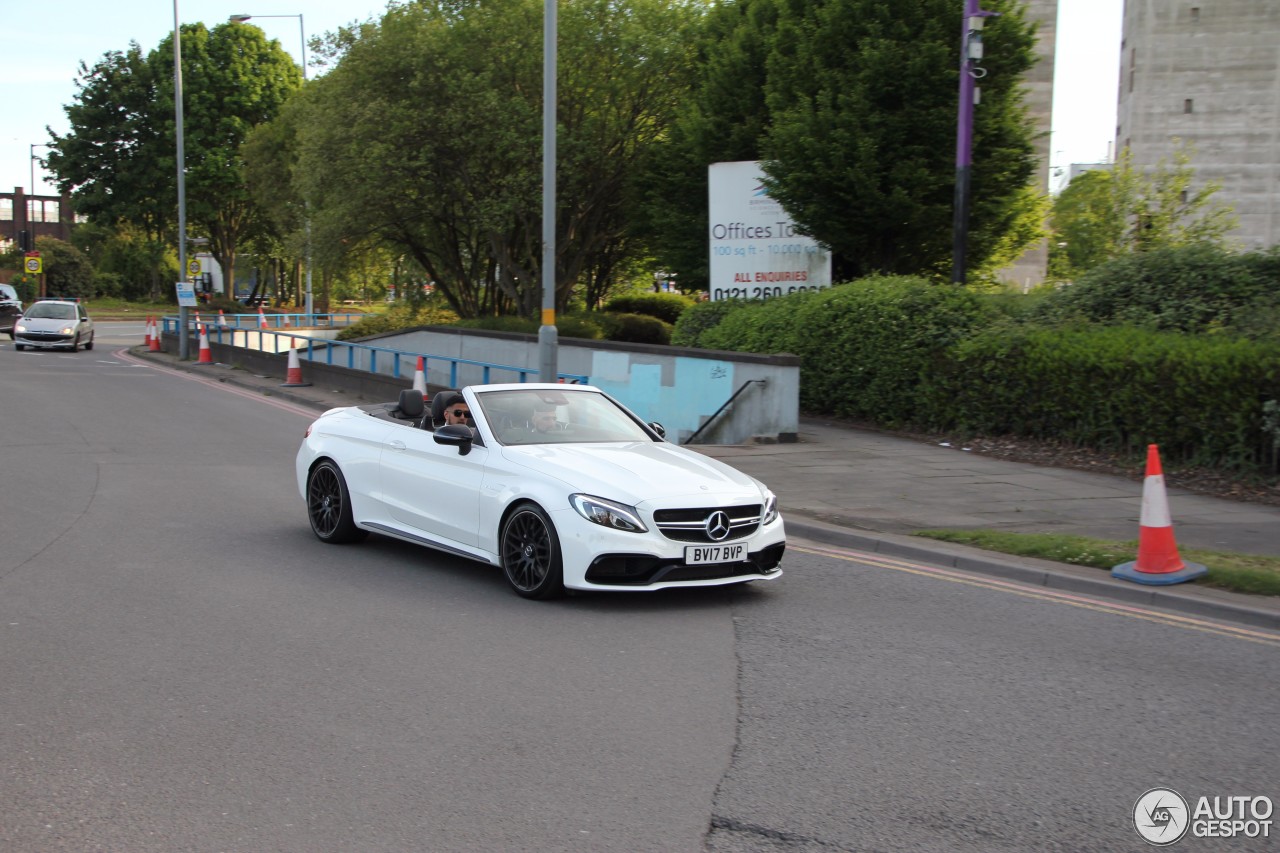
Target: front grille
(690,525)
(44,336)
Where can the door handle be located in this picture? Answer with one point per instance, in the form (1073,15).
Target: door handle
(397,445)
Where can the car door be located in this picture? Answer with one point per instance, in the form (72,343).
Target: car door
(431,487)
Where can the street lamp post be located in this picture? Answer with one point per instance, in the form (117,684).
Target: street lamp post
(33,146)
(548,336)
(184,348)
(302,32)
(970,72)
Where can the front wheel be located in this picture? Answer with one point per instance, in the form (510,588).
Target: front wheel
(89,345)
(530,550)
(329,506)
(19,347)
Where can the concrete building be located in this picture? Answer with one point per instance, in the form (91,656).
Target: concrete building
(1207,72)
(1029,270)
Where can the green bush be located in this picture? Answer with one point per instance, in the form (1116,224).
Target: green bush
(401,316)
(869,347)
(1201,398)
(1188,288)
(634,328)
(665,306)
(699,318)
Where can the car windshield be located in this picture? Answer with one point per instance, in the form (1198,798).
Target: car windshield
(528,416)
(51,311)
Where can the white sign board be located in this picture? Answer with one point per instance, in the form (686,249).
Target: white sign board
(186,294)
(755,251)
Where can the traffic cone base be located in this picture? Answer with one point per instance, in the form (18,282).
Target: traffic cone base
(1158,561)
(293,376)
(1130,572)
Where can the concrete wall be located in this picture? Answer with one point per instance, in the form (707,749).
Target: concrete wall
(679,388)
(1208,74)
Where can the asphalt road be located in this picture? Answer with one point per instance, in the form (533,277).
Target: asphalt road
(184,667)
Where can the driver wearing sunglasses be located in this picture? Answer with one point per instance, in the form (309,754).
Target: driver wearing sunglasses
(457,413)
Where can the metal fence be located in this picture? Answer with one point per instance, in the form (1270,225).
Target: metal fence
(246,330)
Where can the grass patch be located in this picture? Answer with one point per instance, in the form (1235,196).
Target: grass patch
(1248,573)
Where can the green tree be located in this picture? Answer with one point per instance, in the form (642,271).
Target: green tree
(426,138)
(1104,214)
(67,270)
(851,104)
(119,160)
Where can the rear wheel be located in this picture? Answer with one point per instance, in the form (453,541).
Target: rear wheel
(531,557)
(329,506)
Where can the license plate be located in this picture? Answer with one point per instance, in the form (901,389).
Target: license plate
(695,554)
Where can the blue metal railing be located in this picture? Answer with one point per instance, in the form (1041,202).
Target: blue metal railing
(268,340)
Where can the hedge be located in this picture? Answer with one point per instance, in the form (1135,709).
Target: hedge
(1201,398)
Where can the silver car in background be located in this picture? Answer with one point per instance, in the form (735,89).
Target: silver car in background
(53,323)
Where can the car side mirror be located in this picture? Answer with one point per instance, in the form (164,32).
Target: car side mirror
(455,435)
(658,428)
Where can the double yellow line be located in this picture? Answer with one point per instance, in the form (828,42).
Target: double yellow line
(1252,635)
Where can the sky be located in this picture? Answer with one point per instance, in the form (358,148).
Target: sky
(45,43)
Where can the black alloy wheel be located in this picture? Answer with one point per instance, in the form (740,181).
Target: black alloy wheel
(530,550)
(329,506)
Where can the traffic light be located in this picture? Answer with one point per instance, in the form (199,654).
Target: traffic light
(24,241)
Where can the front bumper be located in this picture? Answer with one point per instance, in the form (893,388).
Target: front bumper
(598,558)
(47,341)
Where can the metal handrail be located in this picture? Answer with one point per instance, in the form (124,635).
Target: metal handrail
(726,404)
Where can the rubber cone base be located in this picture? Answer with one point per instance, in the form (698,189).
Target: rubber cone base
(295,384)
(1129,572)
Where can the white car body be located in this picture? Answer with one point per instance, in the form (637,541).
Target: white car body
(401,481)
(53,324)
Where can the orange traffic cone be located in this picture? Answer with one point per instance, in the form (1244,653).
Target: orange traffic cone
(155,337)
(262,318)
(222,320)
(206,355)
(293,376)
(420,378)
(1158,560)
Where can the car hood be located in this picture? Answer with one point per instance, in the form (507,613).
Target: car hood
(44,324)
(635,472)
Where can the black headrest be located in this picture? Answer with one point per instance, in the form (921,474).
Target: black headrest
(443,400)
(410,404)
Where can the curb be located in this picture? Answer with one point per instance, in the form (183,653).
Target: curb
(1193,600)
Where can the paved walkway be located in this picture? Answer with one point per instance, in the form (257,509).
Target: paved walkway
(870,491)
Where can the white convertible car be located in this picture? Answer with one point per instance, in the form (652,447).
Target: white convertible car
(593,498)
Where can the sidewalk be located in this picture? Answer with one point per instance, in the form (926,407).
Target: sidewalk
(870,491)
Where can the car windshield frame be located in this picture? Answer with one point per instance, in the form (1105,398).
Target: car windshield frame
(46,311)
(581,417)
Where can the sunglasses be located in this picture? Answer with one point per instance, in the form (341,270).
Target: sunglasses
(461,413)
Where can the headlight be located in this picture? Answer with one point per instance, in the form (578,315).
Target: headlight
(770,510)
(65,330)
(615,516)
(20,328)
